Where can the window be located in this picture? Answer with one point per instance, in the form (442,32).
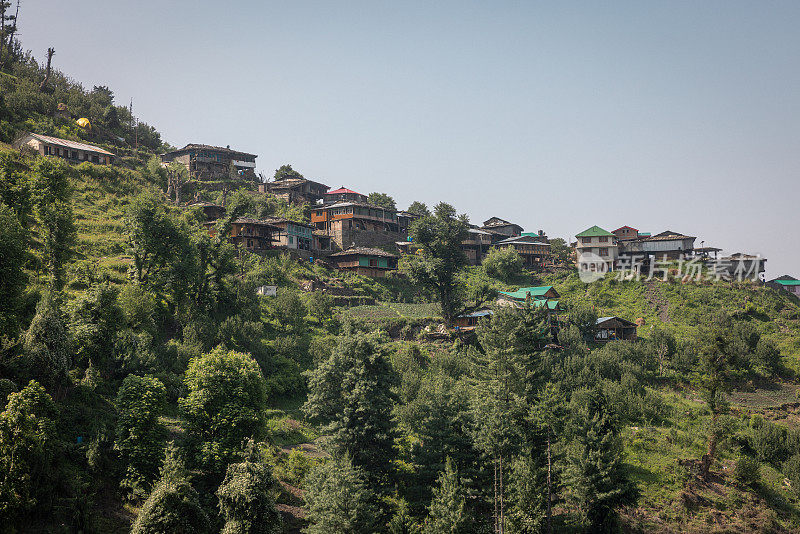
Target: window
(604,251)
(373,262)
(604,239)
(291,240)
(586,240)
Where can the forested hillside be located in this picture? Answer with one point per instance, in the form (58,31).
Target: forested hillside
(146,386)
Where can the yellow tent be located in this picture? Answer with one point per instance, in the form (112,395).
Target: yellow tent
(84,123)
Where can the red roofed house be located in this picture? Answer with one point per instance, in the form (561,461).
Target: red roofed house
(626,232)
(344,195)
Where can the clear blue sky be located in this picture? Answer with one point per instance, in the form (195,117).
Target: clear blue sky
(555,115)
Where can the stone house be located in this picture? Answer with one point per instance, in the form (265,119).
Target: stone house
(206,162)
(364,261)
(72,151)
(255,235)
(358,224)
(534,250)
(295,190)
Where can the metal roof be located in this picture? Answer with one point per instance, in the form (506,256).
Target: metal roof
(522,293)
(343,190)
(594,231)
(523,239)
(74,145)
(787,282)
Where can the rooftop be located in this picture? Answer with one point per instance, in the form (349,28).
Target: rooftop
(365,251)
(343,190)
(523,239)
(74,145)
(522,293)
(198,146)
(594,231)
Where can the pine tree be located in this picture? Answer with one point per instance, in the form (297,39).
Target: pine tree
(338,499)
(595,474)
(351,394)
(447,513)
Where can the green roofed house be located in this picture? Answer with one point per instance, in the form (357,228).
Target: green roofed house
(786,283)
(535,296)
(595,246)
(365,261)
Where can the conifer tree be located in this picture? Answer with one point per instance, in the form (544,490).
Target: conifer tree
(447,513)
(595,475)
(339,500)
(351,395)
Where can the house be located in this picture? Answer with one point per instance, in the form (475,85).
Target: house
(739,266)
(358,224)
(365,261)
(614,328)
(597,245)
(786,283)
(295,190)
(501,226)
(534,250)
(292,234)
(666,245)
(72,151)
(404,220)
(625,233)
(476,245)
(470,320)
(206,162)
(344,195)
(255,235)
(535,296)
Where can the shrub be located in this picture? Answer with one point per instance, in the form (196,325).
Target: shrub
(747,471)
(503,264)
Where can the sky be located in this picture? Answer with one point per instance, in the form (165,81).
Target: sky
(559,115)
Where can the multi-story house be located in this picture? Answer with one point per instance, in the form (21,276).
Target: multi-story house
(72,151)
(358,224)
(667,245)
(364,261)
(295,190)
(625,233)
(597,244)
(292,234)
(477,244)
(255,235)
(501,226)
(206,162)
(534,250)
(344,195)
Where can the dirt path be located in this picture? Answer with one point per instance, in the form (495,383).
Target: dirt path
(655,297)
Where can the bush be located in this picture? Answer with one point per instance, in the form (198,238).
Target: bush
(503,264)
(747,471)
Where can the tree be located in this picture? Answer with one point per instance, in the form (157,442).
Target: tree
(51,192)
(13,250)
(717,356)
(27,452)
(245,499)
(223,406)
(447,512)
(382,200)
(561,252)
(664,346)
(595,474)
(442,259)
(140,402)
(173,506)
(350,394)
(96,322)
(503,264)
(47,343)
(419,208)
(338,499)
(285,172)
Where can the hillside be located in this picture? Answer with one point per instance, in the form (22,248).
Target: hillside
(147,385)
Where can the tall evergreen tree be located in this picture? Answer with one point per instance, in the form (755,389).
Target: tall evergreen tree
(595,474)
(447,513)
(339,500)
(351,394)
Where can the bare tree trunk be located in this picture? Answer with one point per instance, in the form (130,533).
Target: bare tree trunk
(502,508)
(50,52)
(496,524)
(708,458)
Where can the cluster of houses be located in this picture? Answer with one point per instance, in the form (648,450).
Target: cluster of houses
(351,234)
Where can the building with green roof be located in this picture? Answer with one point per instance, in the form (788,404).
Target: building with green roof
(597,246)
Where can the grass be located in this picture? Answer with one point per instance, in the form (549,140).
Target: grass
(392,310)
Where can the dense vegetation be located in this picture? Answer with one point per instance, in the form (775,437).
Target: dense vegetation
(145,386)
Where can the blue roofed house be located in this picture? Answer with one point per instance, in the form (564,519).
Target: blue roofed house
(535,296)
